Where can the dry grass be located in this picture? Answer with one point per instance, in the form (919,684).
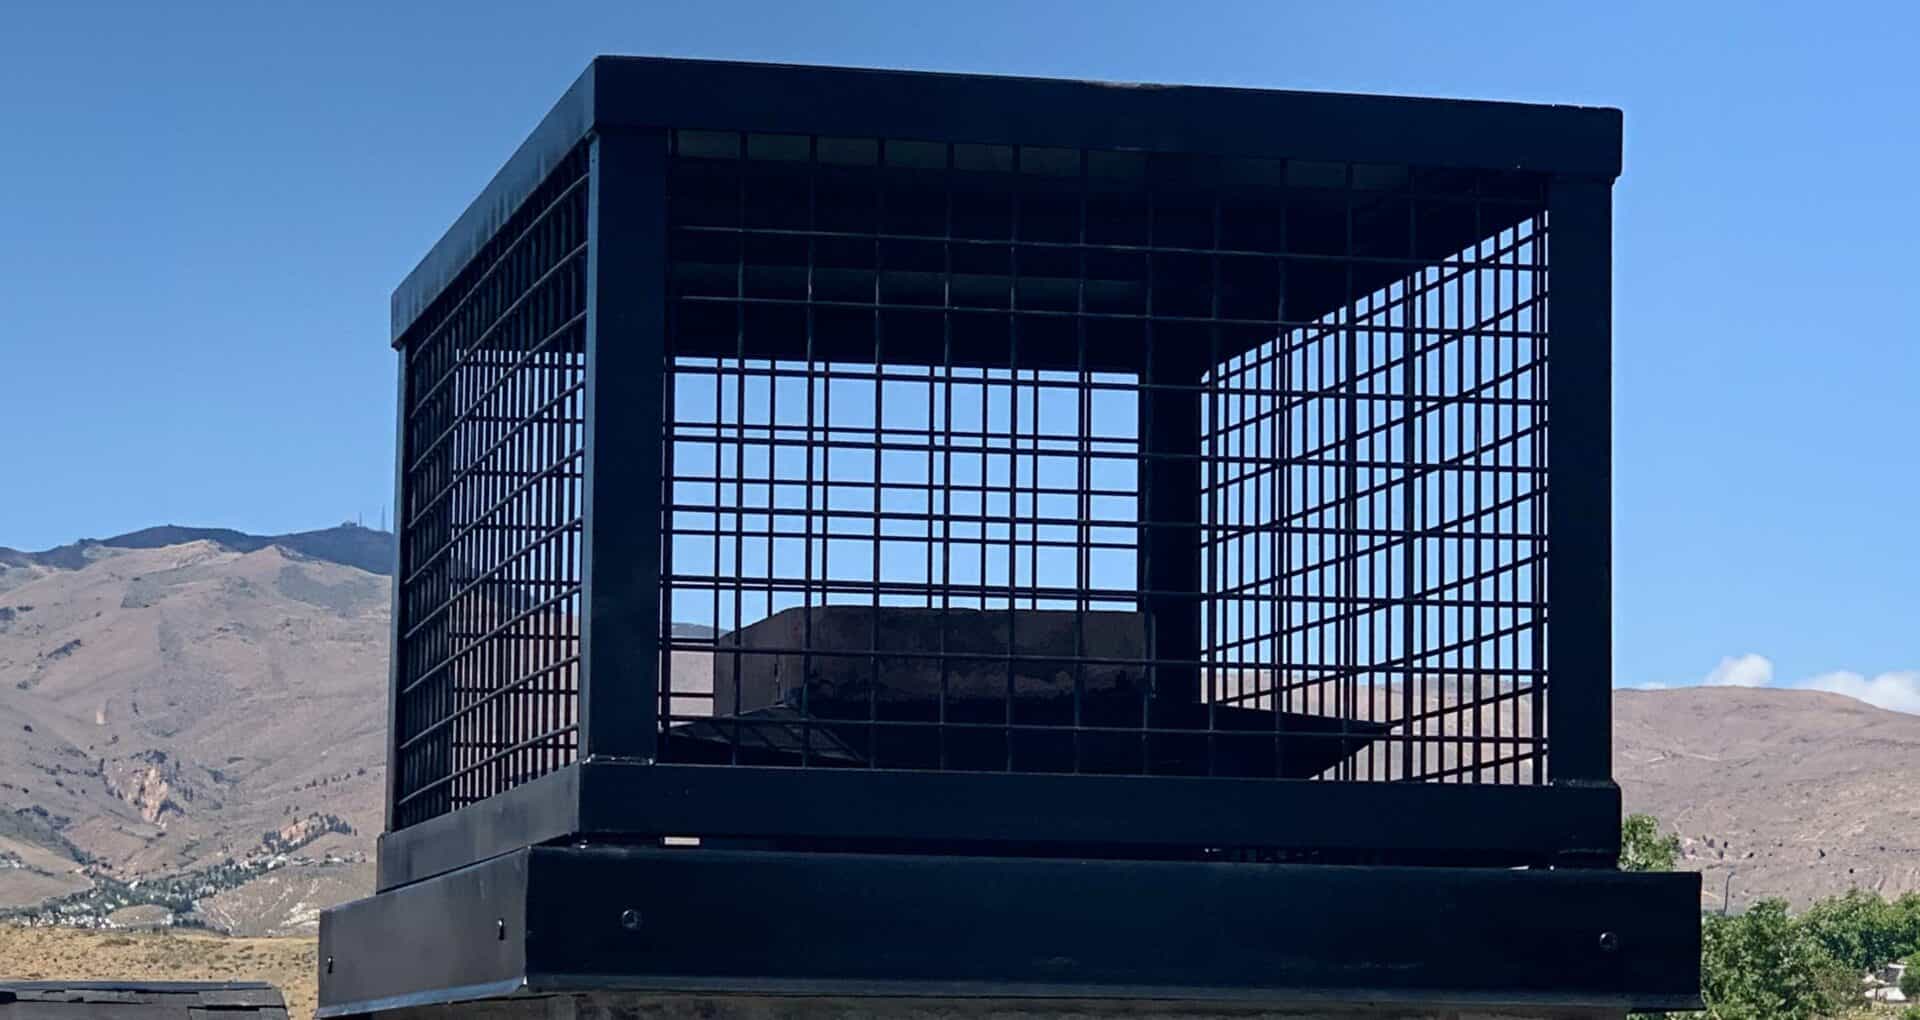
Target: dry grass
(44,954)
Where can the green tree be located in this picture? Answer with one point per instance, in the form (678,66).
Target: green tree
(1643,848)
(1765,965)
(1904,918)
(1859,929)
(1910,978)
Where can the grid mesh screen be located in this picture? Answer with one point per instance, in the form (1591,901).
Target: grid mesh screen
(1374,488)
(488,652)
(1017,459)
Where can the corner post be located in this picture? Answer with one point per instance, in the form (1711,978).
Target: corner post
(397,620)
(1170,552)
(625,355)
(1580,463)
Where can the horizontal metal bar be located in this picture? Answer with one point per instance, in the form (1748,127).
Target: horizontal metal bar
(515,426)
(567,592)
(1366,604)
(515,372)
(490,693)
(568,587)
(1040,313)
(538,219)
(1328,670)
(1055,380)
(1278,733)
(526,481)
(545,739)
(1510,823)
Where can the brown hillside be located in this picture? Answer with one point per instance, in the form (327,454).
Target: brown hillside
(1800,794)
(165,709)
(162,710)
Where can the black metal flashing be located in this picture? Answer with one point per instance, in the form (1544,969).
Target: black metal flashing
(553,919)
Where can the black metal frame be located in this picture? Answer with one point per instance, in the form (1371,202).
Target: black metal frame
(555,765)
(617,124)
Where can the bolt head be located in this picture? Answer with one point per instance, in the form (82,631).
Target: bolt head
(630,919)
(1609,942)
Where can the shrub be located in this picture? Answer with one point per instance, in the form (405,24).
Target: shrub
(1643,848)
(1764,965)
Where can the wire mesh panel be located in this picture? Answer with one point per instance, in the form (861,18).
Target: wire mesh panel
(1028,459)
(489,596)
(1375,495)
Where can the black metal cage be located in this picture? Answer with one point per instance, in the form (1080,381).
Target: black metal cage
(877,533)
(868,459)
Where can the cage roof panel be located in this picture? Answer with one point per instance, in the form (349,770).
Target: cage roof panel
(986,111)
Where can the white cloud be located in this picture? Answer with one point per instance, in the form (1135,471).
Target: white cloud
(1899,691)
(1747,670)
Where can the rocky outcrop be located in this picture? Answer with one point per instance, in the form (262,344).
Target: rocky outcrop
(148,791)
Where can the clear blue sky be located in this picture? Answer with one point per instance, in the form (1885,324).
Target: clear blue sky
(203,209)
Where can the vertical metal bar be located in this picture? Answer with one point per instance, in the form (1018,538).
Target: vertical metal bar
(1410,344)
(1344,609)
(1536,576)
(397,659)
(1211,512)
(945,445)
(1083,468)
(1012,438)
(1484,252)
(1144,501)
(1283,584)
(1579,510)
(1490,388)
(625,354)
(735,624)
(1171,500)
(808,448)
(717,566)
(663,622)
(1462,704)
(876,519)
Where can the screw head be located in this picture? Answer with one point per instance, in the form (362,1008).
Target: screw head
(1609,942)
(630,919)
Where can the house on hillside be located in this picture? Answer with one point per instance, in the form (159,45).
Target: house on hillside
(1883,985)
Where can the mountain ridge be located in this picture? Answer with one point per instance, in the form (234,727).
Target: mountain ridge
(348,544)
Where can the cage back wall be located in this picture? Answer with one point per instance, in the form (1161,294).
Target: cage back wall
(747,447)
(1037,459)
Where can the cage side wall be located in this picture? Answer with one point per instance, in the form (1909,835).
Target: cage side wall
(486,655)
